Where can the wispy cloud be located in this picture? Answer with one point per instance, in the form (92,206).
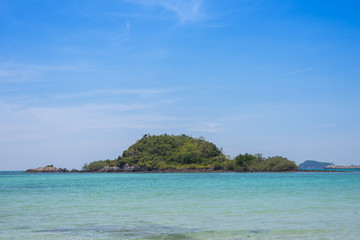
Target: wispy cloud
(185,10)
(206,127)
(17,72)
(122,36)
(295,72)
(326,125)
(19,123)
(142,92)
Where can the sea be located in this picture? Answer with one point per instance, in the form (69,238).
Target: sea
(299,205)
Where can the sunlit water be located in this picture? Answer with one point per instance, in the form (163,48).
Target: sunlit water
(180,206)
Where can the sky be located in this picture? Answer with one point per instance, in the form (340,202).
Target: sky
(81,81)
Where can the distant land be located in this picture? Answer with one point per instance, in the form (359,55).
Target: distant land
(343,167)
(311,164)
(180,153)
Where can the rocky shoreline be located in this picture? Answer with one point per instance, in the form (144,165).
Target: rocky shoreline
(140,169)
(115,169)
(47,169)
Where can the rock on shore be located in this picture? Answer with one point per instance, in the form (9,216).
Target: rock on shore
(47,169)
(125,168)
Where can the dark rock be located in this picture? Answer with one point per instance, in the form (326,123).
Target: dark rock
(110,169)
(128,168)
(47,170)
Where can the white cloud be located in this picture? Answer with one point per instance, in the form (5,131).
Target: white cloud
(185,10)
(122,36)
(19,123)
(114,92)
(18,72)
(73,135)
(295,72)
(206,127)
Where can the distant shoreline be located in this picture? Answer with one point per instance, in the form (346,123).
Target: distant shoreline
(181,171)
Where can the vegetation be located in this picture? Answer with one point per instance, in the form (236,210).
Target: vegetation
(183,152)
(248,162)
(96,165)
(168,151)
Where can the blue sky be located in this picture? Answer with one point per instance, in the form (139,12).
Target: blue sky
(83,80)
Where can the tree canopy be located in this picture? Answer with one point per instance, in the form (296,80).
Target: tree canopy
(248,162)
(169,151)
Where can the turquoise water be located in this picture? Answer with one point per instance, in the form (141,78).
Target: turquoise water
(180,206)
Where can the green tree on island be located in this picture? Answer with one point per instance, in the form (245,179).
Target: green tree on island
(248,162)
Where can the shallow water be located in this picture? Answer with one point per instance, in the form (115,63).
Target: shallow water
(180,206)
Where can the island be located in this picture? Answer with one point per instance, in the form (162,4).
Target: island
(182,153)
(47,169)
(342,167)
(179,153)
(313,165)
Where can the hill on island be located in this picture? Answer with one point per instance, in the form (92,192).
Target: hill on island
(311,164)
(181,152)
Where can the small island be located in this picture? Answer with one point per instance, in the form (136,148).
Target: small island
(180,153)
(47,169)
(313,165)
